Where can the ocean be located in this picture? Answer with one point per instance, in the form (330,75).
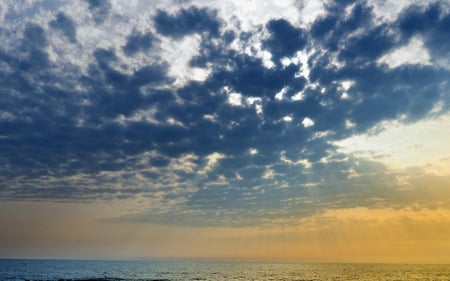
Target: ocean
(62,270)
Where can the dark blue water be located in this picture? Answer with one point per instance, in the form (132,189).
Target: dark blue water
(170,270)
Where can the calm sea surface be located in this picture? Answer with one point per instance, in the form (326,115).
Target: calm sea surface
(164,270)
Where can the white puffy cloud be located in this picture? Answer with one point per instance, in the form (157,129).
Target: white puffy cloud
(307,122)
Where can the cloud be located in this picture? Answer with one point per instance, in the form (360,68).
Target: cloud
(66,26)
(368,46)
(284,39)
(138,42)
(431,22)
(187,21)
(100,10)
(181,106)
(412,53)
(307,122)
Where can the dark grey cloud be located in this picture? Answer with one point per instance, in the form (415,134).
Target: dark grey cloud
(332,28)
(114,128)
(100,10)
(66,25)
(285,39)
(381,93)
(431,22)
(34,36)
(187,21)
(42,138)
(369,46)
(419,19)
(138,42)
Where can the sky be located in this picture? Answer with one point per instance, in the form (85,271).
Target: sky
(301,131)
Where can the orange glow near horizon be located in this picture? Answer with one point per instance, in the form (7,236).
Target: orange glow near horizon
(406,235)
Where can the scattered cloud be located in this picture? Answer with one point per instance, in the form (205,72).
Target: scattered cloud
(307,122)
(205,108)
(413,53)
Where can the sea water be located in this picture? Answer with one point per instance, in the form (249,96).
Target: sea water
(17,269)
